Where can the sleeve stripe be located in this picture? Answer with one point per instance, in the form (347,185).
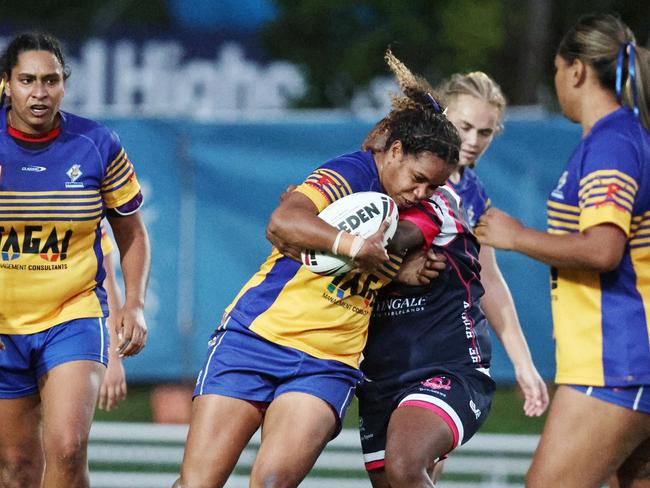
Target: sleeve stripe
(639,218)
(126,176)
(342,181)
(600,200)
(330,183)
(563,216)
(119,156)
(564,207)
(609,173)
(116,187)
(118,173)
(554,224)
(605,191)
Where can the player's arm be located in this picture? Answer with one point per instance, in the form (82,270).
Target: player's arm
(113,389)
(132,241)
(598,248)
(415,233)
(295,224)
(499,308)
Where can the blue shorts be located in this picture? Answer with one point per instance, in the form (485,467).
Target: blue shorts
(635,398)
(461,398)
(27,357)
(241,364)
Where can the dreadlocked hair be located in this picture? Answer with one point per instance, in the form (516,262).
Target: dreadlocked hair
(416,119)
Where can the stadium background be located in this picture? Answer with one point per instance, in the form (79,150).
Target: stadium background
(222,104)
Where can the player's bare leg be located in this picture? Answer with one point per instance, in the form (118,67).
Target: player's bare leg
(220,428)
(584,441)
(69,395)
(21,453)
(635,471)
(416,437)
(296,429)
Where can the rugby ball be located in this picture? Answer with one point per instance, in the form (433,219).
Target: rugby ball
(360,214)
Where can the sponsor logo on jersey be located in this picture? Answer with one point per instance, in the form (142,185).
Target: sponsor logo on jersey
(74,173)
(50,247)
(476,411)
(558,193)
(399,306)
(353,284)
(438,383)
(32,168)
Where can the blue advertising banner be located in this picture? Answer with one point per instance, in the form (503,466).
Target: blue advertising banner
(210,189)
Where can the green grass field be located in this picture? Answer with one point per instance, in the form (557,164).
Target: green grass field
(506,415)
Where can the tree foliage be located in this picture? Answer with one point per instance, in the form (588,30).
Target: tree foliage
(339,44)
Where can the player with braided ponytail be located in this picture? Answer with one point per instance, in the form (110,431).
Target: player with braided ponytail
(287,351)
(597,245)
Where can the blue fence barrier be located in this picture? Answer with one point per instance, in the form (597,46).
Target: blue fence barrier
(210,189)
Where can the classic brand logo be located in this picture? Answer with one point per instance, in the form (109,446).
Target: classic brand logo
(32,168)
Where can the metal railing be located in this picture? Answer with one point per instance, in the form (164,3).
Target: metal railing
(138,455)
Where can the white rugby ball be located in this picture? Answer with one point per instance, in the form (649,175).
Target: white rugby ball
(360,214)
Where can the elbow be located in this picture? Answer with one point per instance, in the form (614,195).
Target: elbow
(605,262)
(275,225)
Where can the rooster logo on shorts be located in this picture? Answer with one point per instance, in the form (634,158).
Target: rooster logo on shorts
(438,383)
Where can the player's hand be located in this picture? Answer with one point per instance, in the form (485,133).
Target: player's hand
(131,331)
(284,247)
(498,229)
(372,254)
(113,389)
(2,345)
(286,192)
(534,389)
(419,268)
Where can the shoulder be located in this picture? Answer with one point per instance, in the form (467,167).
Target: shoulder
(471,179)
(618,131)
(361,160)
(82,126)
(357,169)
(96,133)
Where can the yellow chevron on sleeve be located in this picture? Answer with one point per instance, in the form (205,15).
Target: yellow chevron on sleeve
(561,206)
(609,173)
(563,215)
(314,194)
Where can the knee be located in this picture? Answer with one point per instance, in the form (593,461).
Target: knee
(20,470)
(67,452)
(402,472)
(273,480)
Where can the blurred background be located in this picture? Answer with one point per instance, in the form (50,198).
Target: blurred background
(223,103)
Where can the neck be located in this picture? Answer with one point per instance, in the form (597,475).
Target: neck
(33,132)
(598,103)
(380,159)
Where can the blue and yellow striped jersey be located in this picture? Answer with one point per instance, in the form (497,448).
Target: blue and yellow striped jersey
(324,316)
(52,200)
(601,320)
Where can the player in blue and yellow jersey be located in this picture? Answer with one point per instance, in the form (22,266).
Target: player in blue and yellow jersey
(476,106)
(288,349)
(598,246)
(60,174)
